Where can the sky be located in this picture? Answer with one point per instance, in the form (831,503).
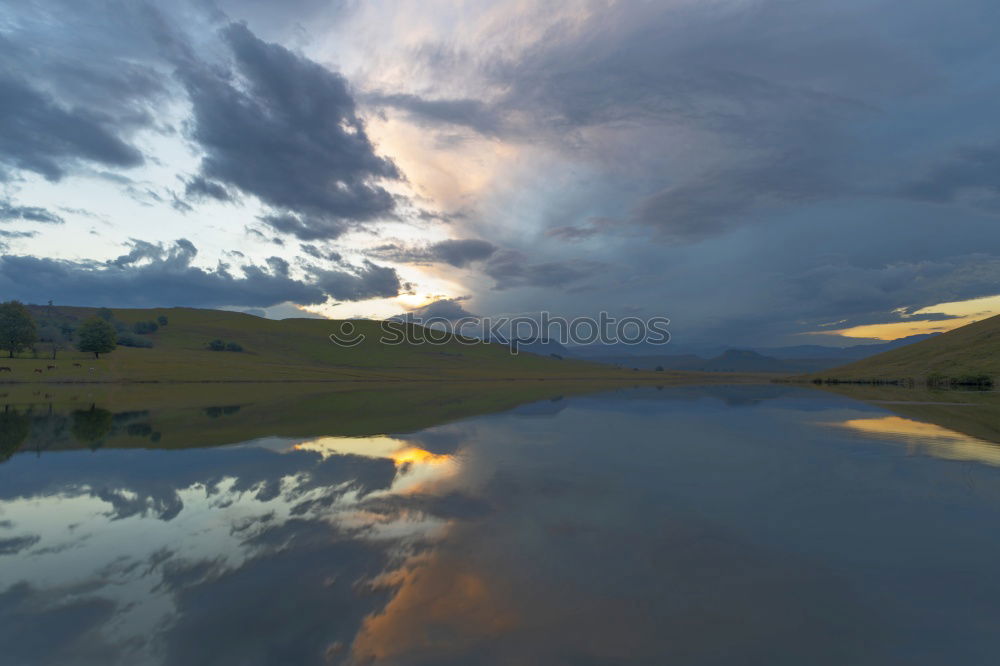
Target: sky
(762,172)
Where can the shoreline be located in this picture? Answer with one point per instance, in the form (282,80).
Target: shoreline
(706,378)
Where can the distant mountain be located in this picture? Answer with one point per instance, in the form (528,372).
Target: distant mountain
(958,354)
(808,358)
(733,360)
(843,353)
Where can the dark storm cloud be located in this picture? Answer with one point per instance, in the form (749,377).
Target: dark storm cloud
(458,253)
(770,94)
(14,545)
(971,176)
(17,234)
(317,252)
(284,129)
(368,281)
(149,275)
(868,295)
(41,135)
(74,90)
(10,212)
(201,188)
(713,202)
(306,227)
(450,309)
(573,233)
(512,269)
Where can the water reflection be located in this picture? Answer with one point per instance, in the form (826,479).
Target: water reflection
(681,525)
(927,438)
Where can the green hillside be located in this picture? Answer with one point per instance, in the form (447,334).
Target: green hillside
(966,355)
(286,350)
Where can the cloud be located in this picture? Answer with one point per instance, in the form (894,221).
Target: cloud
(201,188)
(971,176)
(150,275)
(56,626)
(42,136)
(511,269)
(60,110)
(450,309)
(470,113)
(305,227)
(319,253)
(573,232)
(713,202)
(14,545)
(283,128)
(10,212)
(358,284)
(457,253)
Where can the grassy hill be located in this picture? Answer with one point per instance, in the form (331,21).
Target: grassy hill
(286,350)
(958,356)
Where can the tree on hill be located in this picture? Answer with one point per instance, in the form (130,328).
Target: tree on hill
(97,336)
(55,338)
(17,328)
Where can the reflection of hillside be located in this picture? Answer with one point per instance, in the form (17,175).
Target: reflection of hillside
(184,416)
(975,414)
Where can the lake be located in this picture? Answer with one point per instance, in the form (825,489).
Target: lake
(651,525)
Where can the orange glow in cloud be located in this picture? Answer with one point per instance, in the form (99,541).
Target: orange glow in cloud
(448,176)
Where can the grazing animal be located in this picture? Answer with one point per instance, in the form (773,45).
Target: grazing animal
(51,367)
(77,365)
(38,370)
(5,369)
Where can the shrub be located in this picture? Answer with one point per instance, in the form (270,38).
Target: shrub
(220,345)
(979,381)
(130,340)
(144,327)
(162,320)
(139,429)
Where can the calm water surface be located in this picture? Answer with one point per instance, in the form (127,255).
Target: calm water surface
(730,525)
